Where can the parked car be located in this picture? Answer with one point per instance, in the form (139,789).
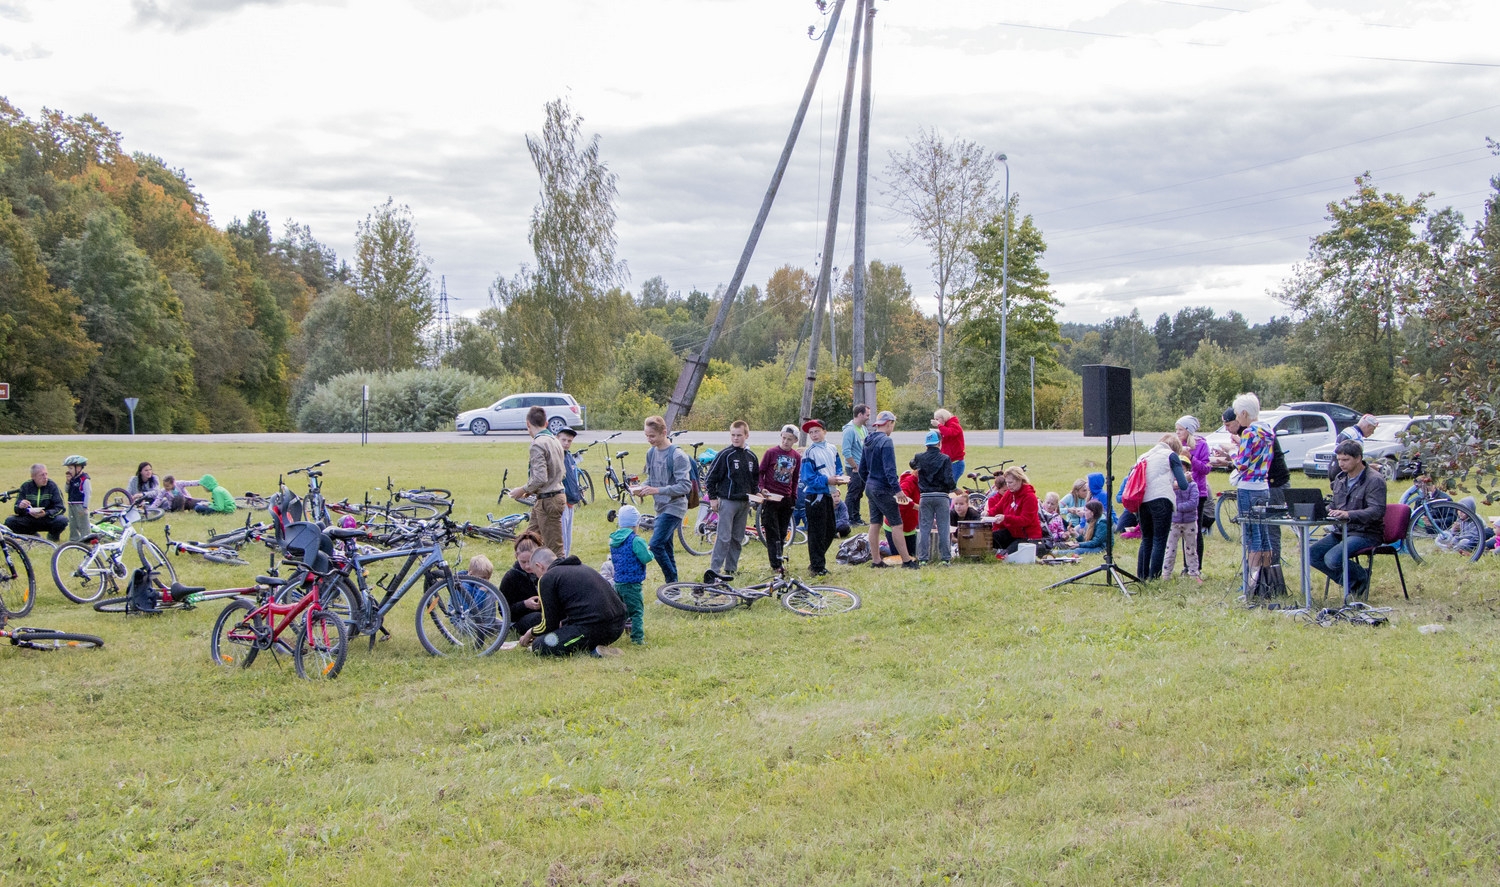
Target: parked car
(1297,431)
(509,413)
(1383,448)
(1341,415)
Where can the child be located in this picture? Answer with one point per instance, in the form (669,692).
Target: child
(1054,526)
(629,554)
(910,514)
(1095,529)
(1184,527)
(79,491)
(480,567)
(221,503)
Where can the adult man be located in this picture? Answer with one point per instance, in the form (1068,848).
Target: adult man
(732,477)
(853,447)
(1358,497)
(822,471)
(878,465)
(40,507)
(1359,430)
(580,611)
(572,492)
(669,477)
(544,480)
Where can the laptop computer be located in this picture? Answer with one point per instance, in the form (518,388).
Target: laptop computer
(1313,499)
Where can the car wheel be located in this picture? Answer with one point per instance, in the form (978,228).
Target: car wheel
(556,424)
(479,427)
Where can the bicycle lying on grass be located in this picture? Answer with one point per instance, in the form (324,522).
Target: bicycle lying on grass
(795,595)
(222,548)
(44,639)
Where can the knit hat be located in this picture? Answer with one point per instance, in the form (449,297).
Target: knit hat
(629,516)
(1188,422)
(933,439)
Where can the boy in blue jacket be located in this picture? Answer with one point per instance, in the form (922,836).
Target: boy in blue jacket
(629,555)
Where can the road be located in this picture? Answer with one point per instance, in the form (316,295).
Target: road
(628,438)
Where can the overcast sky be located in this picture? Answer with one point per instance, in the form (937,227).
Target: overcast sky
(1173,153)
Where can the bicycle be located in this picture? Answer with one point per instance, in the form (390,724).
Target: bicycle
(795,595)
(246,628)
(115,501)
(17,578)
(175,597)
(982,476)
(45,639)
(314,505)
(586,480)
(468,614)
(221,549)
(617,484)
(1227,515)
(84,569)
(425,502)
(252,501)
(1442,528)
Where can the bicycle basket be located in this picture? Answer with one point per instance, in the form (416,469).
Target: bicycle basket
(307,545)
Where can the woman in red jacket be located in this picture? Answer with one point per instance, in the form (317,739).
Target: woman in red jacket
(1014,503)
(951,437)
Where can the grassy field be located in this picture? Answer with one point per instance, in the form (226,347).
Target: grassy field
(964,727)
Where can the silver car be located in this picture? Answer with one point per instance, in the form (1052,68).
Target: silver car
(509,413)
(1296,431)
(1384,450)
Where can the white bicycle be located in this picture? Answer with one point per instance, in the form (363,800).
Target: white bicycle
(85,569)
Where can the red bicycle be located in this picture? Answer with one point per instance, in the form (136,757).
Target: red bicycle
(245,628)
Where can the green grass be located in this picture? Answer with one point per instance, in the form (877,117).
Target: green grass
(963,727)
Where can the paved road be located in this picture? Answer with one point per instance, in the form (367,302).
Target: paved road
(627,438)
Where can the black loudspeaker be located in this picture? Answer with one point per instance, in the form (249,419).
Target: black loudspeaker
(1107,406)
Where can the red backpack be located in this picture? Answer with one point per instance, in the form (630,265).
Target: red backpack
(1135,488)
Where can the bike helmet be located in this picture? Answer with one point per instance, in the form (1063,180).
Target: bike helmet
(75,460)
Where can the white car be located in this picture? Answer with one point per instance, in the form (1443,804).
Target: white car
(1296,430)
(509,413)
(1383,448)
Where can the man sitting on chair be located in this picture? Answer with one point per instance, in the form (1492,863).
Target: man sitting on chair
(1359,497)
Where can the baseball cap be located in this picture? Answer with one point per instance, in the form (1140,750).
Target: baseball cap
(884,417)
(810,424)
(789,429)
(933,439)
(1229,415)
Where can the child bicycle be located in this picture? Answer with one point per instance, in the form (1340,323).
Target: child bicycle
(795,595)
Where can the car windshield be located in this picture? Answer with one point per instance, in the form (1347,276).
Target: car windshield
(1387,430)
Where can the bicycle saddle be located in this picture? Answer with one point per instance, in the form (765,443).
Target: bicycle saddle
(178,590)
(346,533)
(622,454)
(270,581)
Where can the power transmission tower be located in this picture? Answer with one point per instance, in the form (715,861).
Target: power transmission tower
(443,334)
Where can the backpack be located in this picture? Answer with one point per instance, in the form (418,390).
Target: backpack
(695,492)
(1270,586)
(1135,488)
(142,594)
(854,551)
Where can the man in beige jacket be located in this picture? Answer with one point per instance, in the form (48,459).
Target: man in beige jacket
(544,481)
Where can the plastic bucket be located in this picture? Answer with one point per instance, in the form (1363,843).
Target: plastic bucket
(1025,554)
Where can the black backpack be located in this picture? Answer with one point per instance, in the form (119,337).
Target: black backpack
(142,594)
(854,551)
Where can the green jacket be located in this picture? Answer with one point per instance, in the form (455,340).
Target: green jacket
(223,503)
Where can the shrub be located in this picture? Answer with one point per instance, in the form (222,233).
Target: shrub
(409,400)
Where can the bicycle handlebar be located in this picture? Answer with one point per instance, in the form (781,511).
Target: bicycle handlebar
(310,467)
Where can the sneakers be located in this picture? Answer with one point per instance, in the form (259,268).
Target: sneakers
(606,652)
(911,565)
(878,564)
(817,574)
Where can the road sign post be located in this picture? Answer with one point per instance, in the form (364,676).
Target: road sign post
(130,403)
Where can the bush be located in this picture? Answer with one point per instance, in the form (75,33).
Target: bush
(49,411)
(409,400)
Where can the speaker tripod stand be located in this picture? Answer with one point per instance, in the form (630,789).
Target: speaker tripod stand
(1113,575)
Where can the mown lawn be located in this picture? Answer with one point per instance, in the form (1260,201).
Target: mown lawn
(963,727)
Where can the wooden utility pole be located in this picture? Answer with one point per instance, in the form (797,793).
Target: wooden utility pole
(686,390)
(825,268)
(864,383)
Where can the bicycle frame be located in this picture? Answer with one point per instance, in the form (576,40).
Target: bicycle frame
(367,616)
(270,609)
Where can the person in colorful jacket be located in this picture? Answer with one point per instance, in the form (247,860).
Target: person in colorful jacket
(822,472)
(629,555)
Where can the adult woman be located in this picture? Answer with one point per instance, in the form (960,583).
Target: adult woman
(1014,504)
(1196,450)
(520,587)
(145,483)
(1163,466)
(780,467)
(951,435)
(1072,504)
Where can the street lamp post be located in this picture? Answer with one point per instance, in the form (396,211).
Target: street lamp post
(1004,295)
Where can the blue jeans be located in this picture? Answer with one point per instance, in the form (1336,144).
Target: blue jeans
(1328,554)
(661,545)
(958,473)
(1256,537)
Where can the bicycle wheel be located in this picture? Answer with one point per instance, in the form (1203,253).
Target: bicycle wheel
(153,559)
(79,571)
(695,597)
(235,641)
(697,548)
(820,600)
(1227,518)
(1444,530)
(611,488)
(116,499)
(226,556)
(467,617)
(113,605)
(413,511)
(252,501)
(322,644)
(17,580)
(151,513)
(44,639)
(586,486)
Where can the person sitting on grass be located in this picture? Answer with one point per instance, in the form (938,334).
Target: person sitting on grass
(1018,515)
(1095,529)
(144,484)
(480,567)
(629,555)
(221,503)
(40,507)
(581,612)
(519,586)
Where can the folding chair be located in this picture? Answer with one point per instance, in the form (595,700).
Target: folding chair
(1393,537)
